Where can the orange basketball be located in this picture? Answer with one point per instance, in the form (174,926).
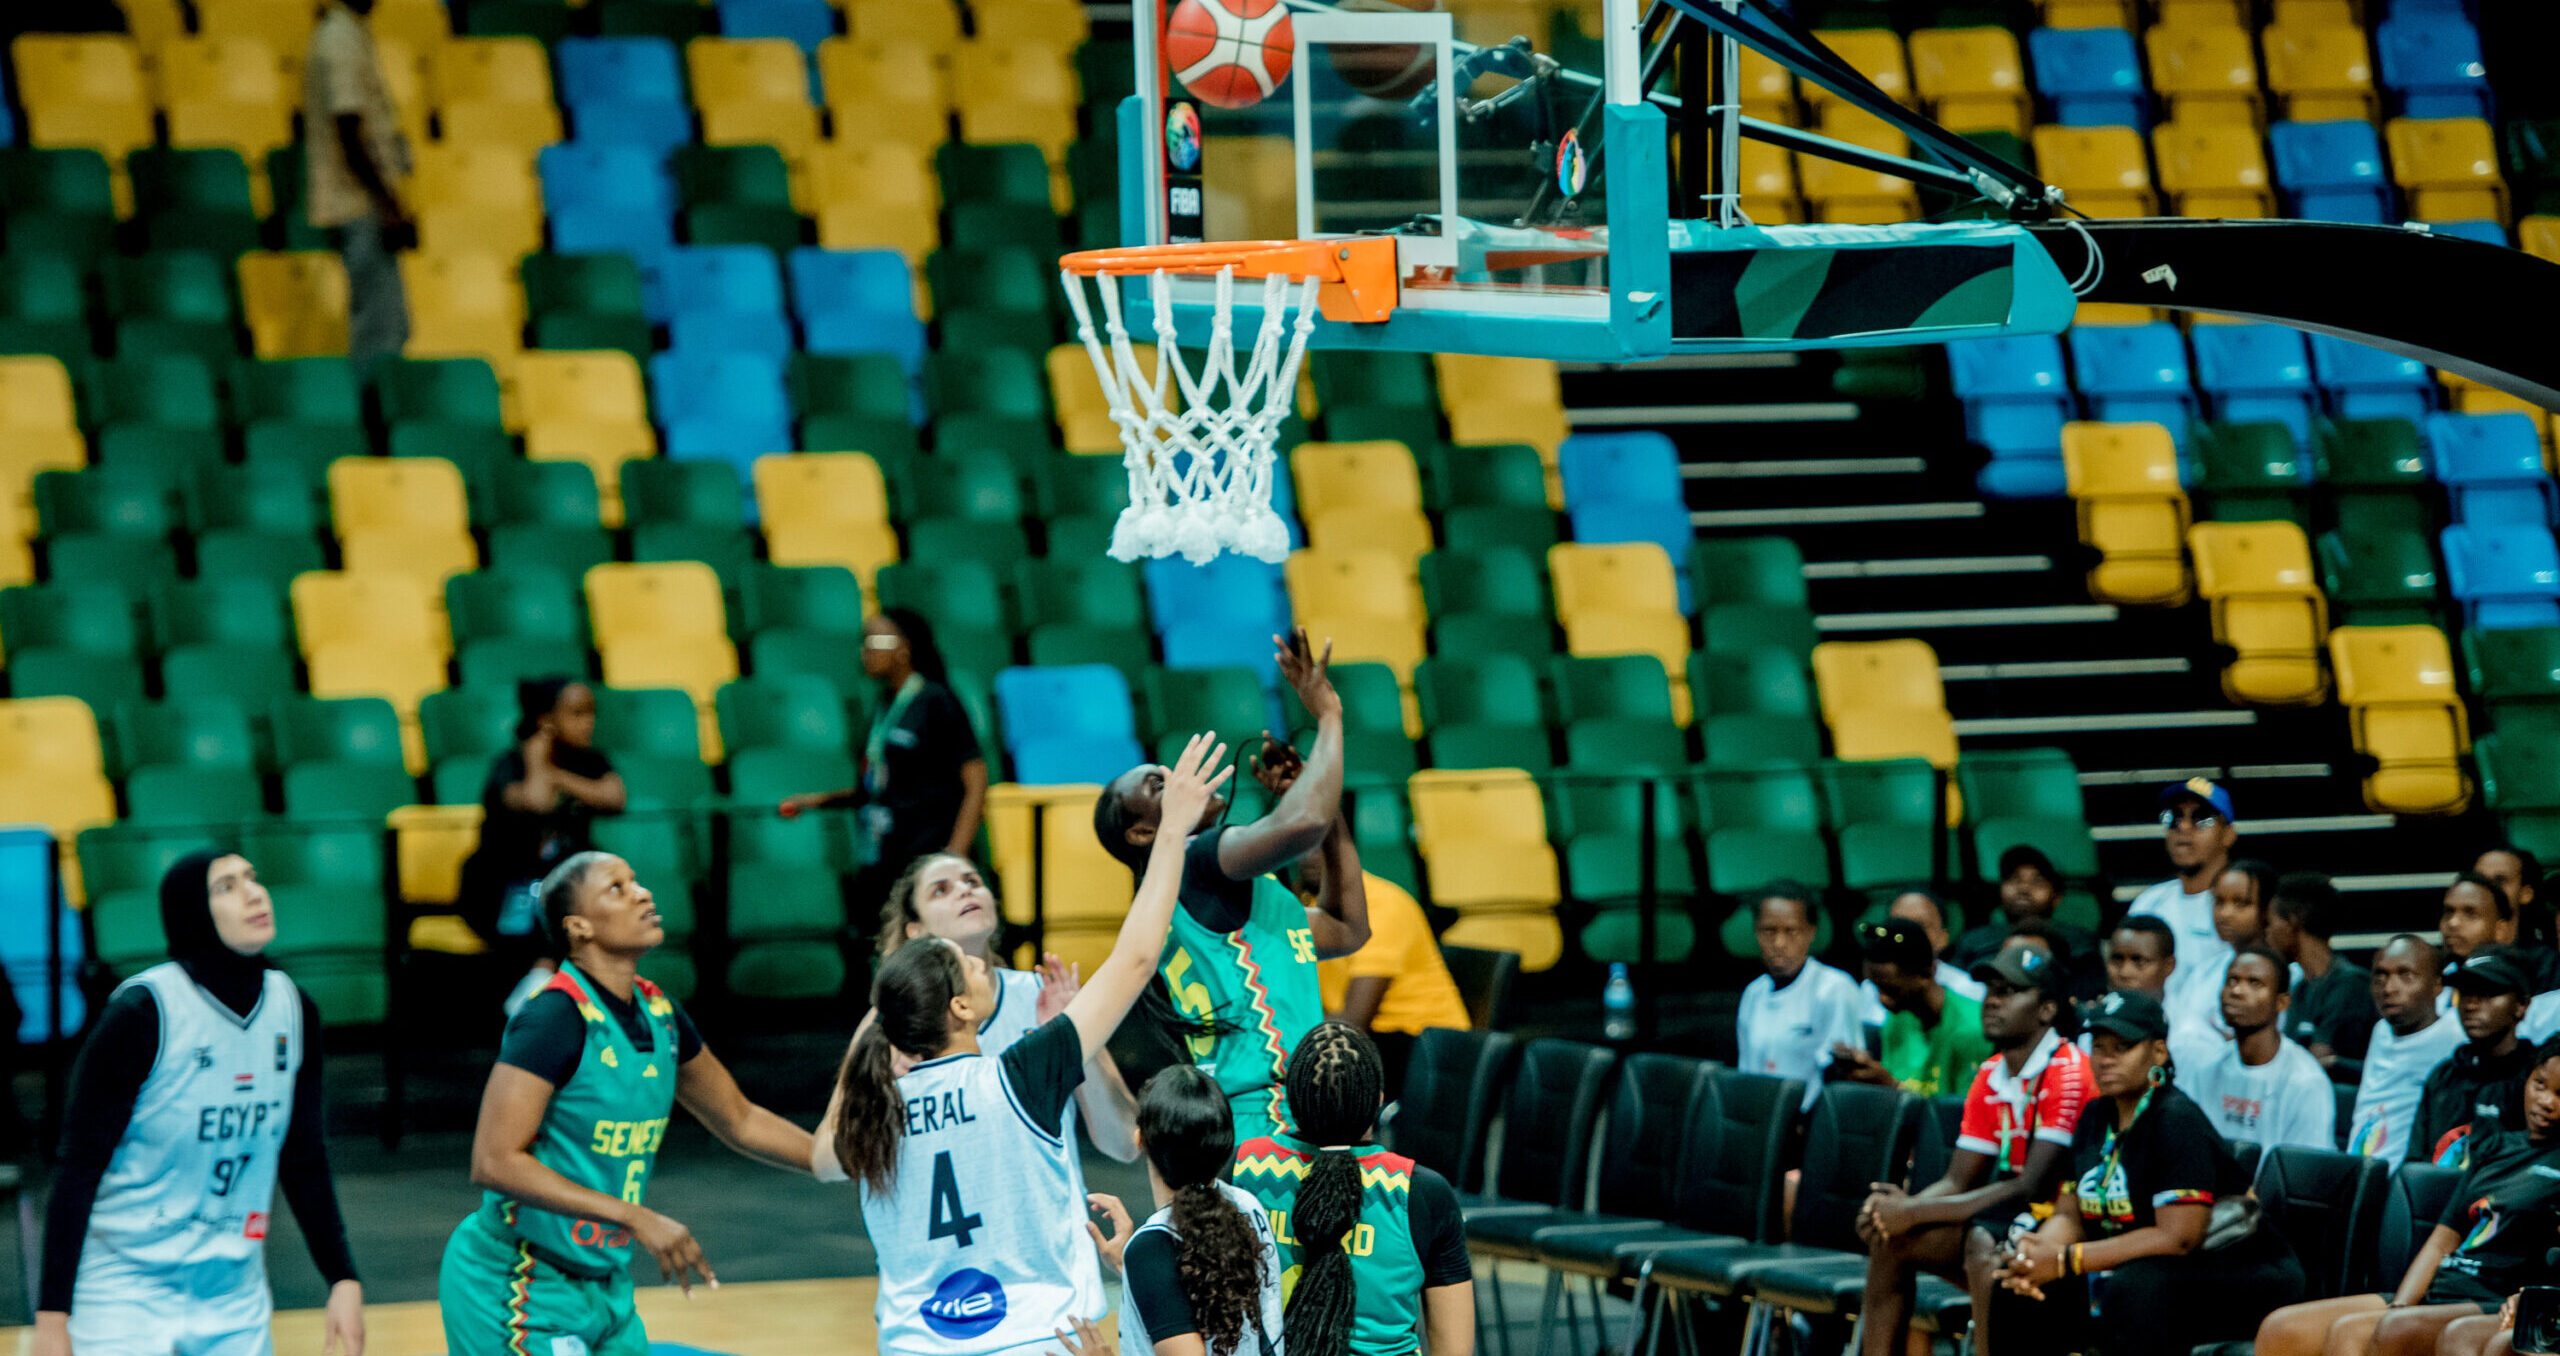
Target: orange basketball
(1231,53)
(1383,70)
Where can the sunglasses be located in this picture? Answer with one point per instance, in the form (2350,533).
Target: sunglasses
(2194,819)
(883,642)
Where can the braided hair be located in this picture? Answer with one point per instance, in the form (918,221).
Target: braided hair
(1336,1084)
(1190,1136)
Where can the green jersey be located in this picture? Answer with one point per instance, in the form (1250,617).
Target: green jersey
(1931,1061)
(1384,1253)
(1256,986)
(602,1130)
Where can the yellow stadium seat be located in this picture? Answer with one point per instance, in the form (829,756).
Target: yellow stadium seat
(580,387)
(853,70)
(522,128)
(699,668)
(2449,166)
(2194,13)
(400,675)
(2395,666)
(2132,509)
(397,492)
(601,448)
(1084,413)
(2088,14)
(465,228)
(1026,73)
(389,611)
(2101,170)
(1844,193)
(1768,90)
(1330,476)
(63,807)
(2539,236)
(406,79)
(2405,712)
(2319,71)
(492,71)
(432,554)
(421,24)
(252,131)
(1050,127)
(789,128)
(1370,638)
(112,130)
(903,123)
(861,549)
(1402,532)
(1483,836)
(153,22)
(488,177)
(820,490)
(429,844)
(2236,559)
(1470,377)
(1875,53)
(1769,193)
(39,430)
(1532,422)
(1621,577)
(227,92)
(462,303)
(675,600)
(1060,24)
(17,524)
(2112,313)
(745,71)
(932,24)
(1353,581)
(887,176)
(2213,169)
(295,302)
(1973,78)
(2313,11)
(283,25)
(1883,699)
(48,737)
(857,225)
(1014,814)
(57,69)
(2266,605)
(1659,632)
(2201,67)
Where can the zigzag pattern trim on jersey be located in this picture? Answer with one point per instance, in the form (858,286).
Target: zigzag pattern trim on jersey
(1291,1165)
(1262,1011)
(519,1292)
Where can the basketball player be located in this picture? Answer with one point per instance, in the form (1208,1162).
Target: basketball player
(197,1092)
(1240,967)
(570,1125)
(985,1262)
(1203,1273)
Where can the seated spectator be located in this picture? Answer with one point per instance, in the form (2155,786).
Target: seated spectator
(1396,986)
(2332,1013)
(541,799)
(2241,894)
(2030,888)
(2198,829)
(2147,1169)
(2481,1088)
(2490,1240)
(1922,910)
(2519,873)
(2019,1118)
(1794,1015)
(2411,1037)
(1931,1039)
(2264,1088)
(2476,913)
(2142,958)
(2036,934)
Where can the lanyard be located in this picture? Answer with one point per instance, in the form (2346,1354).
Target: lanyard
(875,771)
(2113,1147)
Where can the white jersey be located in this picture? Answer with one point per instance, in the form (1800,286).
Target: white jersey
(1017,1012)
(181,1211)
(980,1236)
(2200,949)
(2395,1077)
(1133,1332)
(2287,1100)
(1789,1032)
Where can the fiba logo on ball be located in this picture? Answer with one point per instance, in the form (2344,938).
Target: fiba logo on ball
(967,1303)
(1231,53)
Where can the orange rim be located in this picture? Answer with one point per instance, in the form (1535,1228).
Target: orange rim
(1356,275)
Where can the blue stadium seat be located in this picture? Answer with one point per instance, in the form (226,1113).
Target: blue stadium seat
(620,71)
(27,874)
(1230,588)
(2256,374)
(2364,382)
(730,406)
(2485,231)
(2331,171)
(2134,373)
(1662,522)
(2020,476)
(1620,467)
(655,128)
(726,297)
(2091,77)
(1217,643)
(1069,723)
(2506,578)
(2430,61)
(762,333)
(2491,466)
(805,22)
(858,301)
(2015,396)
(596,174)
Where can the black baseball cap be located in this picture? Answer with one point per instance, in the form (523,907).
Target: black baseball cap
(2129,1016)
(1900,943)
(2028,854)
(2023,967)
(2491,970)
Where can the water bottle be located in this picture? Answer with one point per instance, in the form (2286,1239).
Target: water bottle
(1618,1005)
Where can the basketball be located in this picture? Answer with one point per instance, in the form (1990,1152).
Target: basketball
(1383,70)
(1231,53)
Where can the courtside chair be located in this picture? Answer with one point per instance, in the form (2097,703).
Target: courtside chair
(1555,1098)
(1452,1088)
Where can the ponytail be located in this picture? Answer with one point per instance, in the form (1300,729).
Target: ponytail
(1191,1136)
(911,1005)
(1336,1084)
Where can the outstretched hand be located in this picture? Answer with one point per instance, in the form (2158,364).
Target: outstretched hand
(1308,673)
(1188,784)
(1088,1333)
(1277,765)
(1116,1242)
(1059,982)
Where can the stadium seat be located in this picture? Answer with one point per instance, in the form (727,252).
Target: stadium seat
(1069,724)
(1883,699)
(2015,395)
(2492,469)
(722,405)
(2448,167)
(2207,72)
(2405,713)
(1486,830)
(1762,823)
(392,610)
(640,70)
(2267,606)
(2319,71)
(2133,374)
(2213,170)
(2091,77)
(2331,171)
(2430,61)
(2365,382)
(2132,508)
(465,302)
(2256,373)
(402,675)
(2102,170)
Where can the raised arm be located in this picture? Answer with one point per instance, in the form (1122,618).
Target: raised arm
(1340,916)
(1302,818)
(973,802)
(1097,1009)
(705,1088)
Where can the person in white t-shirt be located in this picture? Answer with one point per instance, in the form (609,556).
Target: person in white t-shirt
(2412,1038)
(1922,910)
(1792,1016)
(2197,829)
(2241,895)
(2263,1088)
(2142,958)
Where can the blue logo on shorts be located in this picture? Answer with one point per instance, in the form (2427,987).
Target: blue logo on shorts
(966,1304)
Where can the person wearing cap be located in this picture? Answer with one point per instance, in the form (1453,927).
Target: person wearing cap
(2263,1088)
(2134,1218)
(1793,1016)
(2411,1038)
(2197,828)
(1923,911)
(2030,887)
(2492,1240)
(1931,1038)
(2332,1012)
(2019,1117)
(2481,1088)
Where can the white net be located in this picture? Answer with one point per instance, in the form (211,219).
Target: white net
(1199,446)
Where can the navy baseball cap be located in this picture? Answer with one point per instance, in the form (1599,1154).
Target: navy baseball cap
(2200,789)
(2492,970)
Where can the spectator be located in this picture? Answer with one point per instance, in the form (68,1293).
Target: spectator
(2147,1170)
(2481,1087)
(355,167)
(2038,934)
(2011,1147)
(1922,910)
(1793,1016)
(2332,1014)
(2240,898)
(1396,986)
(2140,959)
(2196,825)
(924,779)
(2264,1088)
(540,802)
(2411,1038)
(2489,1242)
(1932,1039)
(2476,913)
(2519,873)
(2030,888)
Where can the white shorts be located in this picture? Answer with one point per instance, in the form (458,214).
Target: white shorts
(171,1325)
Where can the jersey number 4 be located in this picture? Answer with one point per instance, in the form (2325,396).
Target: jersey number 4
(950,1218)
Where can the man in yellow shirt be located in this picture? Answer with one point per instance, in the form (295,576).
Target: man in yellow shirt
(1396,987)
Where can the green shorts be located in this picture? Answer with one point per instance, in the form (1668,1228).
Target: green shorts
(501,1300)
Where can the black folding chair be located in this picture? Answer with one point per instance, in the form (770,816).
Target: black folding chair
(1546,1142)
(1484,983)
(2328,1206)
(1451,1090)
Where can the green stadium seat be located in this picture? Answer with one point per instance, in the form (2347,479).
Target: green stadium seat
(678,21)
(2369,454)
(1601,829)
(2065,842)
(1753,738)
(1732,626)
(1413,426)
(2386,579)
(121,866)
(188,286)
(346,793)
(650,723)
(1005,382)
(583,284)
(70,615)
(970,329)
(784,650)
(42,285)
(264,496)
(2014,783)
(974,486)
(185,187)
(1883,814)
(781,711)
(544,21)
(253,675)
(1382,828)
(136,564)
(1464,746)
(953,593)
(817,598)
(580,332)
(1620,687)
(981,227)
(1184,702)
(1763,822)
(1013,174)
(306,448)
(702,493)
(1016,282)
(544,493)
(1747,570)
(504,661)
(893,442)
(534,603)
(1080,535)
(570,551)
(476,450)
(285,178)
(1626,745)
(1503,475)
(437,391)
(1000,544)
(1487,528)
(210,798)
(1067,485)
(783,922)
(1130,649)
(59,199)
(202,732)
(301,390)
(1749,681)
(470,723)
(107,501)
(1467,634)
(332,922)
(873,385)
(174,391)
(751,175)
(1504,583)
(761,777)
(171,454)
(361,731)
(2251,472)
(729,551)
(1356,377)
(273,556)
(1097,592)
(778,229)
(1026,442)
(2521,665)
(1496,690)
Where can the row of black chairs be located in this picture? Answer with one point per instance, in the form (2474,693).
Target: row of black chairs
(1687,1202)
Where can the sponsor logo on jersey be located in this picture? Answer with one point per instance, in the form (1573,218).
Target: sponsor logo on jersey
(204,1056)
(280,1052)
(256,1227)
(968,1303)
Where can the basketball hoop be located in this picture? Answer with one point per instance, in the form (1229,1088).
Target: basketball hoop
(1198,447)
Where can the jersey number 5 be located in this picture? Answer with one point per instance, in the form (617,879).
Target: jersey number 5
(950,1218)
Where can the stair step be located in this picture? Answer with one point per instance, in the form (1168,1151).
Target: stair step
(1942,619)
(2366,823)
(1662,416)
(2111,723)
(1809,466)
(1823,515)
(1927,567)
(2060,668)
